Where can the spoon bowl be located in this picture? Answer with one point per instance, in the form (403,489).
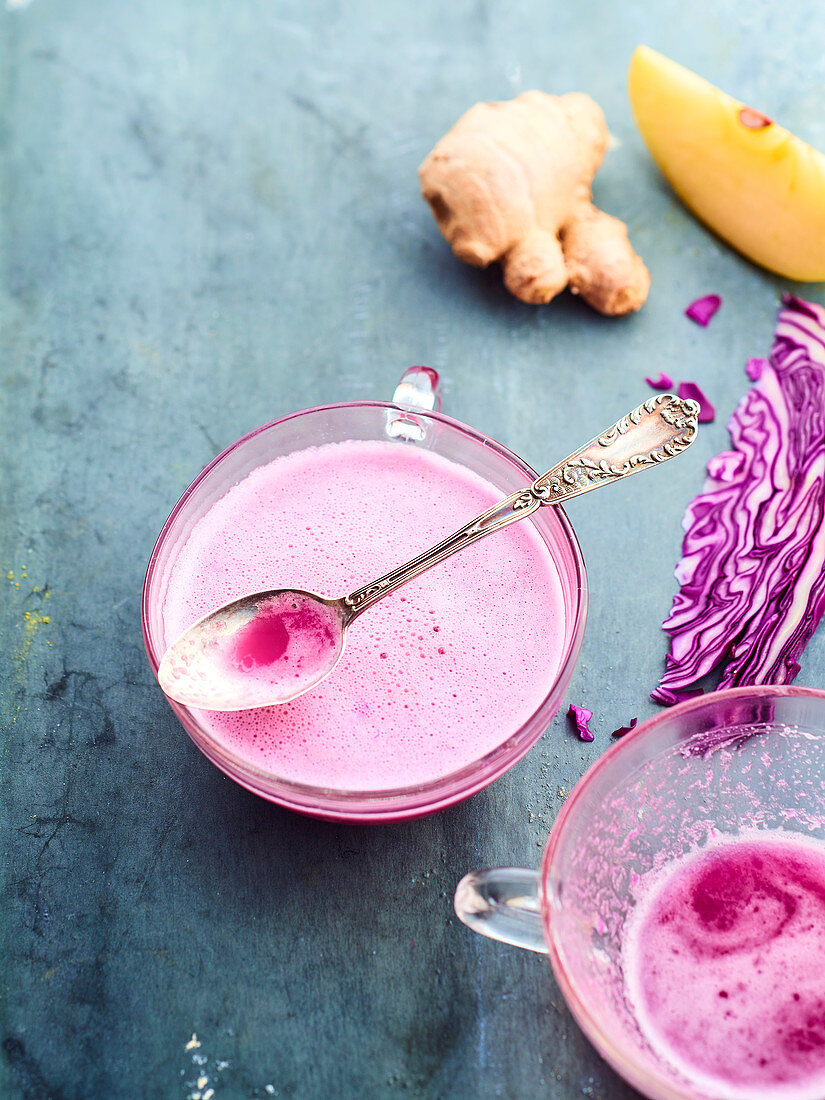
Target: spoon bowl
(261,649)
(269,647)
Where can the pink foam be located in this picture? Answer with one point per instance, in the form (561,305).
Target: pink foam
(724,960)
(434,676)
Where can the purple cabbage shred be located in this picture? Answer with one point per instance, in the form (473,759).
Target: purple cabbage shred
(755,367)
(671,698)
(707,412)
(663,382)
(752,572)
(581,716)
(702,310)
(622,730)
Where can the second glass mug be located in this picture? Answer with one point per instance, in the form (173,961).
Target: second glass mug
(741,761)
(413,418)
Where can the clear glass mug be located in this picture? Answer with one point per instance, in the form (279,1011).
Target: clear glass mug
(742,759)
(413,419)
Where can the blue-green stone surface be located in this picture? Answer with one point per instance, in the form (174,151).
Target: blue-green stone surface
(210,217)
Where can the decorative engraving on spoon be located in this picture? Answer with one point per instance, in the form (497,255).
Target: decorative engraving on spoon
(666,424)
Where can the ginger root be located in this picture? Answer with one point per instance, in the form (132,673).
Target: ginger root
(512,181)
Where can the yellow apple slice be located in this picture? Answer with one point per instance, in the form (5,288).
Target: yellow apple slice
(755,184)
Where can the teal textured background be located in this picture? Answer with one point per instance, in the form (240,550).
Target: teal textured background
(209,217)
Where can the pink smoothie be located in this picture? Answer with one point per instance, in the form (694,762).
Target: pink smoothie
(434,676)
(724,962)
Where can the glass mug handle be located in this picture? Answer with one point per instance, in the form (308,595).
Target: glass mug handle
(419,388)
(503,903)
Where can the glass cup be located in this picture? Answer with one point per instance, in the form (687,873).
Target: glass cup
(412,419)
(748,758)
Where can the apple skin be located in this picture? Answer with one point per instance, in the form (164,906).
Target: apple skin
(749,179)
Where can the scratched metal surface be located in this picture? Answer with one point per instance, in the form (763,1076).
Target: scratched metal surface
(209,218)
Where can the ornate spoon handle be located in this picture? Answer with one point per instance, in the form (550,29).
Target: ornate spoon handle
(654,432)
(659,429)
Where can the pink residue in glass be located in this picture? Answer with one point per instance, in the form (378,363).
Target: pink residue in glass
(702,310)
(581,716)
(690,390)
(663,382)
(739,925)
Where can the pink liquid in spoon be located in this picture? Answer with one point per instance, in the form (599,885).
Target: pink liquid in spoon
(263,642)
(291,641)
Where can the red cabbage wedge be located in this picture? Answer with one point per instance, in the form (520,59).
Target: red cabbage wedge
(752,572)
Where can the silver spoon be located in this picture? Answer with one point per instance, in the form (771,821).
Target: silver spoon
(269,647)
